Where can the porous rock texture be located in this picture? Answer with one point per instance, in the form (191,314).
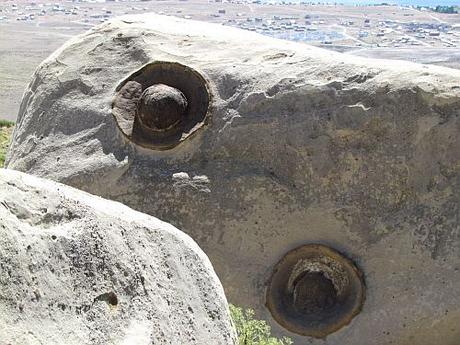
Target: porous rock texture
(302,146)
(78,269)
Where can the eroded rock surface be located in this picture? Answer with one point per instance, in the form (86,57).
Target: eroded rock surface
(299,145)
(78,269)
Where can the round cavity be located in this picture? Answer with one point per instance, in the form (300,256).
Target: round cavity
(314,291)
(161,105)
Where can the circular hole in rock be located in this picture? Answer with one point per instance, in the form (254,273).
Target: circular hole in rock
(161,105)
(112,299)
(314,291)
(109,297)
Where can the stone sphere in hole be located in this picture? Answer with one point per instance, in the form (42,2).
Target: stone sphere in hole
(161,107)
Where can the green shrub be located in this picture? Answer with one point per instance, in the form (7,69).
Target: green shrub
(253,332)
(6,123)
(6,129)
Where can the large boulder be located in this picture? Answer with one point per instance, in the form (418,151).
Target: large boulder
(255,147)
(78,269)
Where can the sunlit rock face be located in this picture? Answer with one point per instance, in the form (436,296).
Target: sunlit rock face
(78,269)
(273,145)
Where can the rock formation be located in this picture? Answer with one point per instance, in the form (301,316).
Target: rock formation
(271,145)
(78,269)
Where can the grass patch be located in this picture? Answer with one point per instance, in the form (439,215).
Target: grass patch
(251,331)
(6,123)
(6,130)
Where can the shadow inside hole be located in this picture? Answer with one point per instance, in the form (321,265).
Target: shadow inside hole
(109,297)
(313,293)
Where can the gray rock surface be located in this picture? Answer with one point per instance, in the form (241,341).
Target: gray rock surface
(302,146)
(78,269)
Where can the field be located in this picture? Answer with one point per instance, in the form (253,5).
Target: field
(22,49)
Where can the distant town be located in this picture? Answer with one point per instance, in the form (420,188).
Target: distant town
(323,25)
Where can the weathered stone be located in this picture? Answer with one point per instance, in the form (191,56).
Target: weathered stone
(298,146)
(78,269)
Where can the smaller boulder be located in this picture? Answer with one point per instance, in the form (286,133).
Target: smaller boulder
(78,269)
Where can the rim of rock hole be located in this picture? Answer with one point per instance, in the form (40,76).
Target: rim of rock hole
(314,291)
(140,109)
